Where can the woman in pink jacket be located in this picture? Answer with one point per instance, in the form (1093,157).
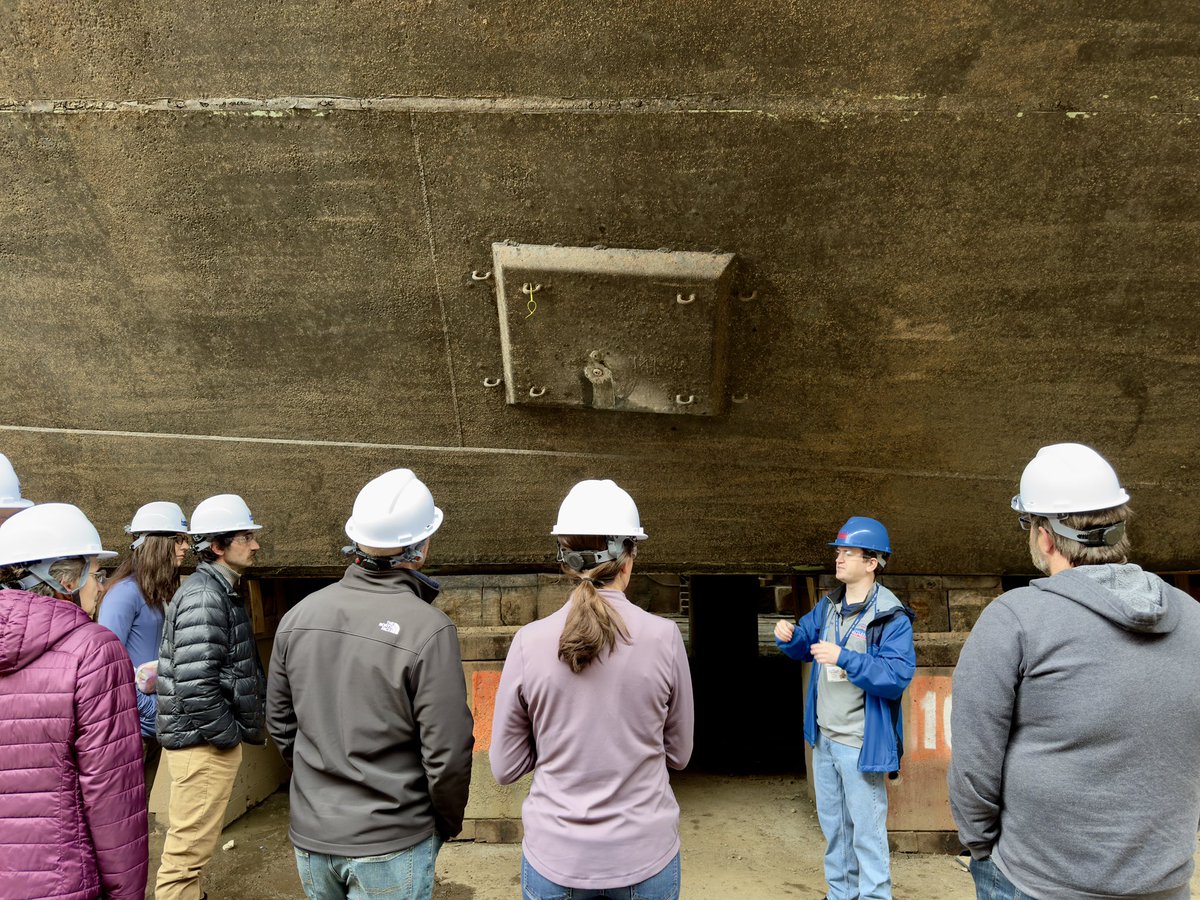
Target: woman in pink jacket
(596,701)
(72,800)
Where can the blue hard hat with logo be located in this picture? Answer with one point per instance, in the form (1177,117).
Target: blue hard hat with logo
(863,533)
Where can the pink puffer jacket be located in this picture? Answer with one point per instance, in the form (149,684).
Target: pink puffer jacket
(72,799)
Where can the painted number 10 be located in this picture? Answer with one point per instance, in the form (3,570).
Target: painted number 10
(930,706)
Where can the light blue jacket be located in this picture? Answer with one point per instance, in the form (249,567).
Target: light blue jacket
(882,673)
(139,626)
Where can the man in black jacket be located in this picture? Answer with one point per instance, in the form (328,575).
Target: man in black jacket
(211,691)
(367,703)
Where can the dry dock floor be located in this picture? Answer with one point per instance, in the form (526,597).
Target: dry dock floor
(753,836)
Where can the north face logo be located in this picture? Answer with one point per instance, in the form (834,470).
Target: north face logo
(389,627)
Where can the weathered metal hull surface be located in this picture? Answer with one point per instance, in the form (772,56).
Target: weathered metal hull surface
(971,232)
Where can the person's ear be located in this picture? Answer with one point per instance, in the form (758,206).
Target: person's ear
(1045,541)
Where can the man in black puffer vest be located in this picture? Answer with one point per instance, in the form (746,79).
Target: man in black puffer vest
(211,691)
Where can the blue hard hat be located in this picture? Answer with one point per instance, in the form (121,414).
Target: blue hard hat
(864,533)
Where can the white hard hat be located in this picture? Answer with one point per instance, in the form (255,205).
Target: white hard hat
(10,487)
(49,531)
(393,510)
(160,516)
(599,507)
(222,514)
(1068,478)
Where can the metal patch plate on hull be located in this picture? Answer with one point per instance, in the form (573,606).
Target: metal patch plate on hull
(626,330)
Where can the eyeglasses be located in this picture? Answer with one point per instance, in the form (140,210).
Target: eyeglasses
(1025,521)
(851,553)
(182,540)
(246,537)
(100,577)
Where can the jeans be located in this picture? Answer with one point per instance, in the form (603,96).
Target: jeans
(991,883)
(663,885)
(852,808)
(403,875)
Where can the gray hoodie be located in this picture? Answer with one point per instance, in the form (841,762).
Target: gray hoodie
(1076,736)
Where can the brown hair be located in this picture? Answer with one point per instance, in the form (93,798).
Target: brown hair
(1078,554)
(592,625)
(152,565)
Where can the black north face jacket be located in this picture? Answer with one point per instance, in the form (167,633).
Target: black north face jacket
(211,685)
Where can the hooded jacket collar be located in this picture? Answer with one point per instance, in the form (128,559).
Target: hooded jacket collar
(1124,594)
(359,579)
(31,624)
(887,604)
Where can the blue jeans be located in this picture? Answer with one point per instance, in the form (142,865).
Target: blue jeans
(404,875)
(663,885)
(852,808)
(991,883)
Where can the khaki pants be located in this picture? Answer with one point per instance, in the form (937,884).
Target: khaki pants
(201,782)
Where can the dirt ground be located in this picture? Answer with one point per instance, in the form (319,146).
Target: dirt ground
(746,837)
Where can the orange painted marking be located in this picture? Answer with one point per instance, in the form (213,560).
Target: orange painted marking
(928,715)
(483,704)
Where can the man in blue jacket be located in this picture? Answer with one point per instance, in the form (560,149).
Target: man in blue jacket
(859,639)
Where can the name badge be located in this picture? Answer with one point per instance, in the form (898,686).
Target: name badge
(835,673)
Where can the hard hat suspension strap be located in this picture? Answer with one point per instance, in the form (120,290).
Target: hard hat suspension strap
(39,573)
(1101,536)
(384,563)
(581,560)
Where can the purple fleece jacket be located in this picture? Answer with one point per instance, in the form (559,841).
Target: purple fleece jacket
(600,812)
(72,797)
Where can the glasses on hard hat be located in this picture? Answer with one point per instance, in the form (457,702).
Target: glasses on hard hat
(849,553)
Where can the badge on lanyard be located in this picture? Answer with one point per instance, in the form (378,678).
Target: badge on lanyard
(856,629)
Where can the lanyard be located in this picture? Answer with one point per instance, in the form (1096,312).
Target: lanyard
(837,619)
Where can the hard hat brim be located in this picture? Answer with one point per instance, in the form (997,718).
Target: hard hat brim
(226,531)
(16,504)
(575,532)
(1118,499)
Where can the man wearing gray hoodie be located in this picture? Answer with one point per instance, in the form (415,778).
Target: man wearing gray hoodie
(1076,761)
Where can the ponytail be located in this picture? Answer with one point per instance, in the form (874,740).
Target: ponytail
(592,624)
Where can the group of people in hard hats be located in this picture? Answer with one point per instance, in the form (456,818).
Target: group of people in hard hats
(89,706)
(1076,718)
(365,699)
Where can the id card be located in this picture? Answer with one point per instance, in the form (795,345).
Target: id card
(835,673)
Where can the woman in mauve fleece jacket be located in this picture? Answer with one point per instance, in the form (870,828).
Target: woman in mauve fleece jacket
(72,801)
(596,701)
